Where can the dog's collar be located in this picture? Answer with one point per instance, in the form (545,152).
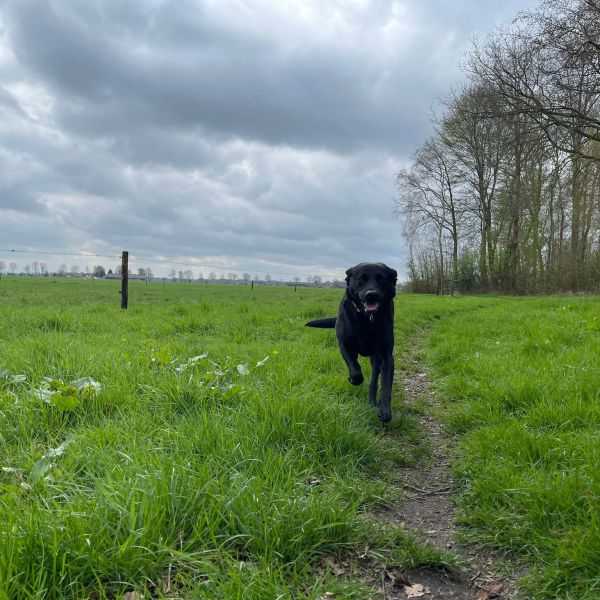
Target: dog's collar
(361,311)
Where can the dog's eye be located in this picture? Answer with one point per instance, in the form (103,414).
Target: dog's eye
(364,278)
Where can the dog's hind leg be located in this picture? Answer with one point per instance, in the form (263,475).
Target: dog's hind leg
(376,369)
(350,357)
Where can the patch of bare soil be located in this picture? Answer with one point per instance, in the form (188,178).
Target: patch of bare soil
(427,508)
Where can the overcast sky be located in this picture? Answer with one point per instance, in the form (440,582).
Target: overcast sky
(236,136)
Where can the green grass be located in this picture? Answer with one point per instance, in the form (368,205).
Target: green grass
(522,380)
(229,476)
(212,481)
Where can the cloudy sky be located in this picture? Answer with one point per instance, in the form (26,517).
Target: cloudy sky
(260,136)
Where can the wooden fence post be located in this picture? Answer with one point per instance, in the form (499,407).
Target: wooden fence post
(124,278)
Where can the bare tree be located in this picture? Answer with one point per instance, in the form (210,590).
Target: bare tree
(427,197)
(478,144)
(547,66)
(12,268)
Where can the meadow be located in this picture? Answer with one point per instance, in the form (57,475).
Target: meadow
(205,444)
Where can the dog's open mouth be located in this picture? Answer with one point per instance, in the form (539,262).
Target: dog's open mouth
(371,307)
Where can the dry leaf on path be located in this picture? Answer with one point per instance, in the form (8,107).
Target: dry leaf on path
(495,588)
(416,590)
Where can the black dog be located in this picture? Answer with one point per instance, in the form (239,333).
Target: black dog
(365,326)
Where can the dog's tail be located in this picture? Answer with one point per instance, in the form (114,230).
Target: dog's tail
(323,323)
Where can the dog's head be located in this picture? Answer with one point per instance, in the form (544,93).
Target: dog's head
(369,285)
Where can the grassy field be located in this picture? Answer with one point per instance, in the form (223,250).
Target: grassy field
(522,380)
(205,444)
(225,455)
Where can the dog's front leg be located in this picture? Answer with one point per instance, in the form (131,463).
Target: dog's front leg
(387,377)
(376,369)
(350,357)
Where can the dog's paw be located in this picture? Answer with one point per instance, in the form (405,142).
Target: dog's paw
(384,414)
(356,379)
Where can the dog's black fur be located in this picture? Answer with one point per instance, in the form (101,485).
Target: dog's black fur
(365,326)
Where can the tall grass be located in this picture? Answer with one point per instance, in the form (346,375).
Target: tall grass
(205,471)
(522,377)
(224,457)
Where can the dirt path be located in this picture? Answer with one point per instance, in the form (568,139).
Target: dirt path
(428,510)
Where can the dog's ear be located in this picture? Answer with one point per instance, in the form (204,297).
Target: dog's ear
(348,275)
(393,279)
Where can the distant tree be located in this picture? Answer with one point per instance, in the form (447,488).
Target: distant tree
(110,271)
(100,271)
(12,268)
(27,269)
(180,275)
(173,275)
(246,277)
(317,280)
(35,266)
(149,273)
(2,267)
(62,270)
(268,279)
(212,276)
(142,273)
(75,269)
(189,275)
(44,269)
(296,279)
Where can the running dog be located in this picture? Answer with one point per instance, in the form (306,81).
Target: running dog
(365,326)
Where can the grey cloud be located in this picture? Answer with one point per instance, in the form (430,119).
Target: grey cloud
(258,133)
(311,94)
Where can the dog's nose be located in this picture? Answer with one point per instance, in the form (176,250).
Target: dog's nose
(372,296)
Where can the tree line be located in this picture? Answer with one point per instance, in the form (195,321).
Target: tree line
(37,268)
(505,195)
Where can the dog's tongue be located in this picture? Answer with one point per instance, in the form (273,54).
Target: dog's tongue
(371,306)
